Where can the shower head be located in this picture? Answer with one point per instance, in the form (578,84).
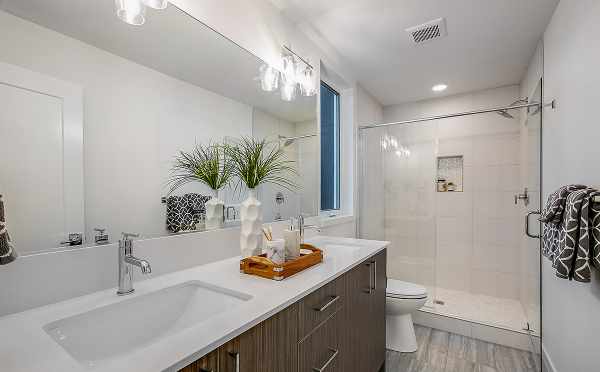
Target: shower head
(288,141)
(504,113)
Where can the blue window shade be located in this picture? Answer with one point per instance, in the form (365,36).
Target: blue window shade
(330,148)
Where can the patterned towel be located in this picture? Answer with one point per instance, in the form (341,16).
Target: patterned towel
(7,250)
(555,206)
(578,236)
(185,212)
(196,205)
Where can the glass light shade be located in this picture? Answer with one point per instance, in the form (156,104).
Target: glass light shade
(131,11)
(269,78)
(288,91)
(156,4)
(307,83)
(289,68)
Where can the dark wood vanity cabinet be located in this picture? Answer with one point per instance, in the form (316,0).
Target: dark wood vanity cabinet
(270,346)
(208,363)
(339,327)
(365,316)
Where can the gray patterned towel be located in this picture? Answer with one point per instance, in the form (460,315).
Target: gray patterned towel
(7,250)
(185,212)
(578,235)
(555,206)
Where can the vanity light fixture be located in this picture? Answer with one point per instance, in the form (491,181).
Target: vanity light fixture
(156,4)
(289,79)
(439,87)
(288,91)
(133,12)
(296,76)
(269,78)
(308,86)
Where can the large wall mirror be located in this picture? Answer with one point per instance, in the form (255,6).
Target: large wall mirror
(94,111)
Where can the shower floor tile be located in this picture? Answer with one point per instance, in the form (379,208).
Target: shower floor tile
(499,312)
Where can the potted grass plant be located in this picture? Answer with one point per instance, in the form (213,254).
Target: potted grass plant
(210,165)
(257,162)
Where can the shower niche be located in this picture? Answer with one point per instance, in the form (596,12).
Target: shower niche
(449,173)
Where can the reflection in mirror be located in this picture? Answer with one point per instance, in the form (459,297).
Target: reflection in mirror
(101,108)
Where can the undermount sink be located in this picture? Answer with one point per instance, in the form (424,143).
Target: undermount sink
(119,328)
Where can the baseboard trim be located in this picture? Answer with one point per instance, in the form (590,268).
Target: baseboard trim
(478,331)
(548,366)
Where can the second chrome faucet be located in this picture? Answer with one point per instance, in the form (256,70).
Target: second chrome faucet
(126,263)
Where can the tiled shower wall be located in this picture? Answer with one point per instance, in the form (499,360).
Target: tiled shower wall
(466,240)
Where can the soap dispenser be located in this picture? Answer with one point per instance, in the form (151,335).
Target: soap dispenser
(291,236)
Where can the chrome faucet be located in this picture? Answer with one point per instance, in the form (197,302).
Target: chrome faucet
(126,263)
(302,226)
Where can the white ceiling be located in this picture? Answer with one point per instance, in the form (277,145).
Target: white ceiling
(171,42)
(489,43)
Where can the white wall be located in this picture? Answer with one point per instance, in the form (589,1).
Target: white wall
(478,234)
(369,203)
(571,153)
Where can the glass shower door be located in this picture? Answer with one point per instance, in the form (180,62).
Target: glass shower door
(397,199)
(531,248)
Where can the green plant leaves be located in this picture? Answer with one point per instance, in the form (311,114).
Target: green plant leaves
(256,162)
(207,164)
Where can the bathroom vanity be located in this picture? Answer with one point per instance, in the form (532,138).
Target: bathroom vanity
(338,327)
(330,317)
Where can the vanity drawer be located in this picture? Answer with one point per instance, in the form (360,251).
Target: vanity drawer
(320,305)
(321,351)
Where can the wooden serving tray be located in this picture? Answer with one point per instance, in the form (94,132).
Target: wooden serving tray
(264,267)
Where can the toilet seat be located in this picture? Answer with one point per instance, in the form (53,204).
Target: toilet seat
(404,290)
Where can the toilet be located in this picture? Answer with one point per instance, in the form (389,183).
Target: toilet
(402,299)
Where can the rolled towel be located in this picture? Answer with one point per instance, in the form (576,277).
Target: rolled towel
(7,250)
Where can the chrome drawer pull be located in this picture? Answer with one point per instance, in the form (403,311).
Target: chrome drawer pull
(332,300)
(236,356)
(370,289)
(374,275)
(206,370)
(328,362)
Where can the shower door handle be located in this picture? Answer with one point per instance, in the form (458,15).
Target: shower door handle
(527,225)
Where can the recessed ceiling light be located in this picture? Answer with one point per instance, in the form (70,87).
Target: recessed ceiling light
(439,88)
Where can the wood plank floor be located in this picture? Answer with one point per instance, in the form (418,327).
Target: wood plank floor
(441,351)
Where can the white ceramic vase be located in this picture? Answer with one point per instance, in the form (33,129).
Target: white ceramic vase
(251,236)
(214,212)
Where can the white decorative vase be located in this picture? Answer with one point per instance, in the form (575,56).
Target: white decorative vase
(251,236)
(214,212)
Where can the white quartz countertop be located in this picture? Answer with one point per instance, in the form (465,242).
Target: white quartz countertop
(25,345)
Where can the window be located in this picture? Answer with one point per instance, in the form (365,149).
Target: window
(330,148)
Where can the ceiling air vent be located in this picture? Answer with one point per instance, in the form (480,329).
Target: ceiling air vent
(428,31)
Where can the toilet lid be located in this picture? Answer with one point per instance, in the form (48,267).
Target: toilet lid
(400,289)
